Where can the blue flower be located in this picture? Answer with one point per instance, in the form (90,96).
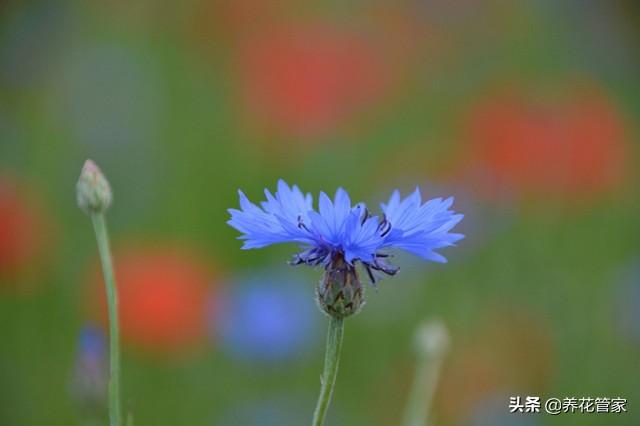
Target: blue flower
(340,235)
(266,317)
(338,228)
(90,375)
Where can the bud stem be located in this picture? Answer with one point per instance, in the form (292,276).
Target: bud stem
(432,342)
(102,237)
(331,360)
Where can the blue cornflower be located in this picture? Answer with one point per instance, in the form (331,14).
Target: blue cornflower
(90,375)
(340,235)
(266,317)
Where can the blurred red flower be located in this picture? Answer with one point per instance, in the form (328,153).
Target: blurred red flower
(572,146)
(163,298)
(22,229)
(306,80)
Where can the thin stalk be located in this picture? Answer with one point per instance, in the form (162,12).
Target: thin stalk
(102,237)
(432,343)
(422,390)
(331,361)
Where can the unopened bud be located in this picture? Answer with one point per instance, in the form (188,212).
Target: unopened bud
(93,189)
(432,338)
(340,293)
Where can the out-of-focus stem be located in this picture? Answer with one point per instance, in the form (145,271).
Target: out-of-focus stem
(432,342)
(102,237)
(331,360)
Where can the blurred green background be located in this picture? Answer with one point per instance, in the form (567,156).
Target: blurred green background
(525,111)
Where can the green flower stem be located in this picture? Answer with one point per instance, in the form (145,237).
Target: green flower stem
(422,390)
(102,237)
(432,344)
(331,360)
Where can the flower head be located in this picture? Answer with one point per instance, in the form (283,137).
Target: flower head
(162,298)
(340,235)
(89,380)
(309,80)
(572,145)
(24,231)
(265,317)
(93,191)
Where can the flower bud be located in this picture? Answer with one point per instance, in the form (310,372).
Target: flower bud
(93,190)
(340,293)
(432,338)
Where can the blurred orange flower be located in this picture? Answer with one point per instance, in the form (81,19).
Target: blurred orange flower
(306,80)
(163,298)
(22,229)
(571,146)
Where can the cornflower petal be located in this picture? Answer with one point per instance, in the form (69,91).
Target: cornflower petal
(421,228)
(276,221)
